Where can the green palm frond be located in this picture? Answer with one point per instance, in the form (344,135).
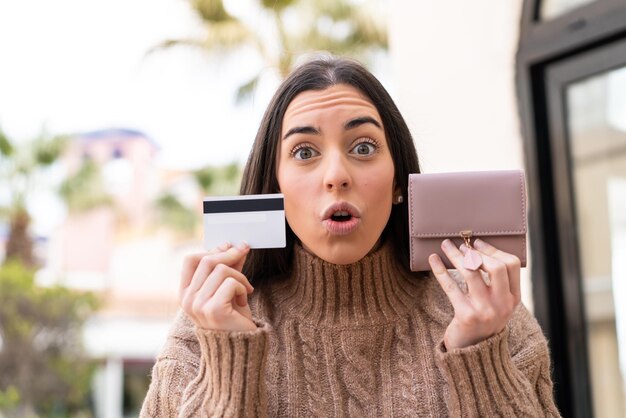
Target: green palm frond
(246,90)
(277,4)
(6,148)
(342,28)
(169,43)
(211,10)
(228,34)
(48,150)
(205,178)
(337,26)
(219,36)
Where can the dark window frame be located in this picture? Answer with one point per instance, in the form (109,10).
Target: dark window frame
(544,50)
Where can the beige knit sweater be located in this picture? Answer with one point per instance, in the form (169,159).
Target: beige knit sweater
(362,340)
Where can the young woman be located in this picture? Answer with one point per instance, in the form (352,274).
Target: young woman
(336,324)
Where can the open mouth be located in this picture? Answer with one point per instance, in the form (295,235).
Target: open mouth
(341,216)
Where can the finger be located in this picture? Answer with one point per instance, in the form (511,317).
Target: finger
(220,273)
(447,283)
(242,300)
(245,247)
(512,262)
(190,264)
(229,290)
(498,274)
(475,283)
(231,257)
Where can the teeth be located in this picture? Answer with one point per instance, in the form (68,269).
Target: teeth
(341,213)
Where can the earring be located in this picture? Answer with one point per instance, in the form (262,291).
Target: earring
(399,199)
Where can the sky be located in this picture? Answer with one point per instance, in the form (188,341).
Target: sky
(71,66)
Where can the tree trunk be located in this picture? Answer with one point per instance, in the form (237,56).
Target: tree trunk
(20,244)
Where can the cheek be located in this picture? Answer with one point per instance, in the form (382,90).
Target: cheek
(293,185)
(298,192)
(378,185)
(378,190)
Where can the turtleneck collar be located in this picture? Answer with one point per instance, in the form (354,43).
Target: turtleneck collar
(372,290)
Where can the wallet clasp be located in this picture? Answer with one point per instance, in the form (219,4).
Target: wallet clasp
(467,236)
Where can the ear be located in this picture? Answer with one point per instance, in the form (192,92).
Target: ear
(397,195)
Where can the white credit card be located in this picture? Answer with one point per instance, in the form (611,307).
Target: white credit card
(257,219)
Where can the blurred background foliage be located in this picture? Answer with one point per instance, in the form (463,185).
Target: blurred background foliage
(296,28)
(85,189)
(43,368)
(210,180)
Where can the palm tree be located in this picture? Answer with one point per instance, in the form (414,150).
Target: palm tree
(20,166)
(337,26)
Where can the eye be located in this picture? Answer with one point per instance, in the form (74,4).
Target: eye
(304,153)
(364,148)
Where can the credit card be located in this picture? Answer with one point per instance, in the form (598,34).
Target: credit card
(257,219)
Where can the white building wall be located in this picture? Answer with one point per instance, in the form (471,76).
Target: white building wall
(453,68)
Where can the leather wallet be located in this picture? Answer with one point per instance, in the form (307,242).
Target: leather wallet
(490,205)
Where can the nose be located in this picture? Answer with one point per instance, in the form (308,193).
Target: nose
(337,174)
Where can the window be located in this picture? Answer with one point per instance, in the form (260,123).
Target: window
(572,97)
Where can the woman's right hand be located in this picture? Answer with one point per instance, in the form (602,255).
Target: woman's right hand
(214,292)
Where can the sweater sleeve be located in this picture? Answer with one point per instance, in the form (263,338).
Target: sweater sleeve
(202,373)
(505,375)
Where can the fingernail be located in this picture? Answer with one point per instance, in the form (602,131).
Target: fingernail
(243,246)
(435,262)
(463,248)
(434,259)
(479,243)
(447,243)
(224,246)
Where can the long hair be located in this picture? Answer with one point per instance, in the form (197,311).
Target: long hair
(259,175)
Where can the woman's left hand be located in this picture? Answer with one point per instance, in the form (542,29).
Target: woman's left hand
(485,309)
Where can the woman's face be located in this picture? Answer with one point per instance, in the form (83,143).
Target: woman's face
(336,172)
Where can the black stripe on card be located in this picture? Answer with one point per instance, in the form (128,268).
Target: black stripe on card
(243,205)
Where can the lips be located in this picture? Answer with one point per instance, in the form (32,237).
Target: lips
(341,218)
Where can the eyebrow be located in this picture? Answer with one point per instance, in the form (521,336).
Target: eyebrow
(351,124)
(301,130)
(355,123)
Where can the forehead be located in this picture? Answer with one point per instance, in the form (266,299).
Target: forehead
(336,101)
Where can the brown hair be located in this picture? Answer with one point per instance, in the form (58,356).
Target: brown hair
(259,175)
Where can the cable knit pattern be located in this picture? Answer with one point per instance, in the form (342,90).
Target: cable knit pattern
(359,371)
(312,371)
(404,364)
(356,340)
